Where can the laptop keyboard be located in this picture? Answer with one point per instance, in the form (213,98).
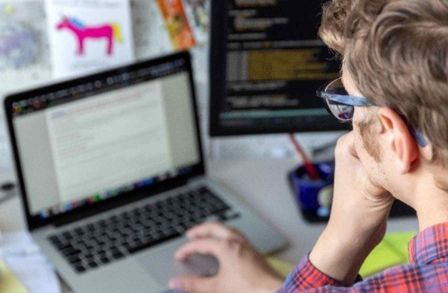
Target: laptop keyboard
(107,240)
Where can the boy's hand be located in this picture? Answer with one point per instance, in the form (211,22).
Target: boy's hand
(241,267)
(358,217)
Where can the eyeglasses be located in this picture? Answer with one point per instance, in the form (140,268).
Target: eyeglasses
(339,103)
(342,106)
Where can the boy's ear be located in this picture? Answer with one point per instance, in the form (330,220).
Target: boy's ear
(399,139)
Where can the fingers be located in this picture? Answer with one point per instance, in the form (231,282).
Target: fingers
(202,246)
(192,284)
(215,230)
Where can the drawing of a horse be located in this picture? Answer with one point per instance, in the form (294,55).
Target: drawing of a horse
(110,32)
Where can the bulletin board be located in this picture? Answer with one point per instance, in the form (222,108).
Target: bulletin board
(38,37)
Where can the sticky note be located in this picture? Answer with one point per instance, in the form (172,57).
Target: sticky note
(280,266)
(392,251)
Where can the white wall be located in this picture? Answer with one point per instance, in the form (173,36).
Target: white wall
(244,147)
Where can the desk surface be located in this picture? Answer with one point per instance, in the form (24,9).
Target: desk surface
(260,183)
(264,186)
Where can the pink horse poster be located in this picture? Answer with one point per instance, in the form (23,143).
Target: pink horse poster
(89,35)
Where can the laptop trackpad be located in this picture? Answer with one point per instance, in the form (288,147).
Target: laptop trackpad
(160,263)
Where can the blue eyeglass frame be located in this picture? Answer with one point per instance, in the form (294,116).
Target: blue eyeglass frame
(357,101)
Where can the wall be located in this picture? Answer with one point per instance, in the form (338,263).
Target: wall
(246,147)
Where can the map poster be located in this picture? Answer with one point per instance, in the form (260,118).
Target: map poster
(88,35)
(23,45)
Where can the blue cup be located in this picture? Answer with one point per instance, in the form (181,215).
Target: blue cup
(313,197)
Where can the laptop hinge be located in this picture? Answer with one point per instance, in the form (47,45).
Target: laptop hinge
(69,219)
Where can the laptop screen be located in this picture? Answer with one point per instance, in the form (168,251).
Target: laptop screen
(86,142)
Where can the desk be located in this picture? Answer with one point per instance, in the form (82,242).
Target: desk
(263,185)
(260,183)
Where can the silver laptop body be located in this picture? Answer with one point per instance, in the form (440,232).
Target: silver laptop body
(112,174)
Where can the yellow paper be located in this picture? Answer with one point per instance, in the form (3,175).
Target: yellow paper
(392,251)
(282,267)
(8,281)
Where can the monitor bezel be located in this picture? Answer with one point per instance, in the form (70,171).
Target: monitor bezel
(217,90)
(35,221)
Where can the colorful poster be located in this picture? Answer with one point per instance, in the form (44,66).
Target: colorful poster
(198,14)
(88,35)
(177,24)
(151,38)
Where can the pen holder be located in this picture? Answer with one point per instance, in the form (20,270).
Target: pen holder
(313,197)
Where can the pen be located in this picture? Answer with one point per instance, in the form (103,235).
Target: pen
(309,167)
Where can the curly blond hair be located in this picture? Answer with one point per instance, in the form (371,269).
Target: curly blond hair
(397,53)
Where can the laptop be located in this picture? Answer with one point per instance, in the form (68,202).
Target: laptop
(111,173)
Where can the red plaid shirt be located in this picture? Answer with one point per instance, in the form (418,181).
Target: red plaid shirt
(426,272)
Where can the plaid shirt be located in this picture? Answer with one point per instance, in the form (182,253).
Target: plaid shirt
(426,272)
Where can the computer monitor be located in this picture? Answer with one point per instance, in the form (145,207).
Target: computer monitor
(266,63)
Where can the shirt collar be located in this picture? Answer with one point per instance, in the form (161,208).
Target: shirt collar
(430,245)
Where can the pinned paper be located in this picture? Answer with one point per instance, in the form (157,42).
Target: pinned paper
(89,35)
(177,24)
(198,15)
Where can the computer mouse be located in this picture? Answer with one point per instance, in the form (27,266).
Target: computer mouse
(205,265)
